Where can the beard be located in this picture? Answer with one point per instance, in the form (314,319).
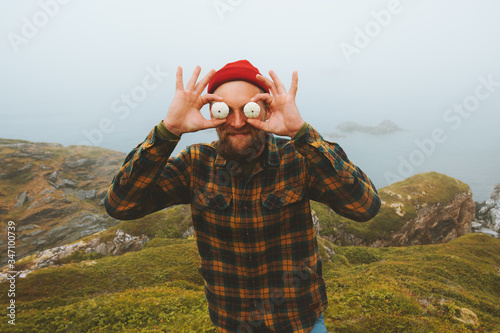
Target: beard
(240,149)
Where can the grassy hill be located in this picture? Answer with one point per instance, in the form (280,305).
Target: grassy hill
(401,203)
(453,287)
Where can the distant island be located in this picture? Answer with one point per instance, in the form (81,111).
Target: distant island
(385,127)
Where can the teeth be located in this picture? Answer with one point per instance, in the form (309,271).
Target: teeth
(220,110)
(251,110)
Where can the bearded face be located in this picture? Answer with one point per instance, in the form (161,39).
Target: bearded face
(238,140)
(243,145)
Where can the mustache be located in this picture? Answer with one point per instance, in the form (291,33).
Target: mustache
(249,130)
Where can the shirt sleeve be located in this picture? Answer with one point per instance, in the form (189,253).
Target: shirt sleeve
(149,180)
(334,180)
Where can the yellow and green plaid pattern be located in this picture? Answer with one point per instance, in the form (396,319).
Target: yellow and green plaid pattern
(255,234)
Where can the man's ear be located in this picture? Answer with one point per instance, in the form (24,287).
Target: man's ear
(210,110)
(268,113)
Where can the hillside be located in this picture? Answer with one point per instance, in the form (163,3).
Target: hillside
(54,194)
(452,287)
(87,272)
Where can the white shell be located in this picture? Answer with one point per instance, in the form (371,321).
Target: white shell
(220,110)
(251,110)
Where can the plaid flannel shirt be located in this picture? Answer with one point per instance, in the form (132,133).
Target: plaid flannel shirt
(255,235)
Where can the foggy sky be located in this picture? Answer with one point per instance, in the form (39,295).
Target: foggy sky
(69,75)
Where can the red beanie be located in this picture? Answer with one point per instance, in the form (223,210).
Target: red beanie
(235,71)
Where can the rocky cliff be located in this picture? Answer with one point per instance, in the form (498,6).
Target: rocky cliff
(424,209)
(53,193)
(488,214)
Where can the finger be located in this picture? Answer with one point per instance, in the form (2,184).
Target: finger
(213,123)
(269,83)
(179,85)
(295,84)
(192,81)
(266,98)
(203,82)
(262,125)
(207,98)
(277,81)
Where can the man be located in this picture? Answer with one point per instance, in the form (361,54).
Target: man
(249,194)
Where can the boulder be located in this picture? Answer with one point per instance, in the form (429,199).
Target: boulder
(21,199)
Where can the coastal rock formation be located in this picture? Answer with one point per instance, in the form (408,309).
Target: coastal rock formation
(488,214)
(416,211)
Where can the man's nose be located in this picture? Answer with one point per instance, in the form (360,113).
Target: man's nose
(238,119)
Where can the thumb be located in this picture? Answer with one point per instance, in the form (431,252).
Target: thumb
(259,124)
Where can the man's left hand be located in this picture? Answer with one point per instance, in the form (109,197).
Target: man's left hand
(284,117)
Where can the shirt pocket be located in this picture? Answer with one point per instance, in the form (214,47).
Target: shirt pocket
(282,212)
(282,197)
(211,199)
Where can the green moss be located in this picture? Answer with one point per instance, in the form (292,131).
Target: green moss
(410,289)
(79,256)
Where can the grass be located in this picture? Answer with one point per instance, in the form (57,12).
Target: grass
(411,289)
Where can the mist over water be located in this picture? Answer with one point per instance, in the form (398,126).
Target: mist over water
(69,80)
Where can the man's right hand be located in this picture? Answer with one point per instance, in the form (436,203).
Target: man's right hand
(184,114)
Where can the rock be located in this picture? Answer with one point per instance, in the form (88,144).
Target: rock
(122,243)
(52,256)
(316,224)
(21,199)
(28,227)
(81,163)
(437,224)
(66,183)
(54,180)
(488,214)
(49,190)
(84,195)
(188,233)
(33,233)
(34,204)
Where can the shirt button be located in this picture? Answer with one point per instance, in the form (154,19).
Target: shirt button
(151,141)
(310,139)
(283,199)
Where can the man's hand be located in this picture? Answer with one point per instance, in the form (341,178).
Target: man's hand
(184,114)
(284,118)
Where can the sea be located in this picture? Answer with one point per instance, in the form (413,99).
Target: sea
(470,154)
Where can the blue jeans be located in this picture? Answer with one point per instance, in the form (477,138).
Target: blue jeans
(319,326)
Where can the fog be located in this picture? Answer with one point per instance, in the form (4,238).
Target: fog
(68,66)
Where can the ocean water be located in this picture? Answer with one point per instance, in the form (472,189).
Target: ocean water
(473,158)
(470,154)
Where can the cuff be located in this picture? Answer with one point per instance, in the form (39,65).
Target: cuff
(301,131)
(164,133)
